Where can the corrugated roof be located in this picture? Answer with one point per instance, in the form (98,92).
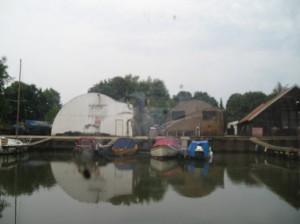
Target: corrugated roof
(264,106)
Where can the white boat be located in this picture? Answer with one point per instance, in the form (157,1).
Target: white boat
(165,147)
(10,146)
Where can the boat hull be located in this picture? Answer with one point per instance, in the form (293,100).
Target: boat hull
(163,152)
(11,146)
(125,152)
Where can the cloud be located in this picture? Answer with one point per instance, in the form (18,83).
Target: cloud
(220,47)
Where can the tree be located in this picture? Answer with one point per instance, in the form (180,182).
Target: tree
(279,88)
(117,88)
(35,104)
(221,107)
(206,98)
(182,96)
(29,102)
(157,99)
(52,99)
(150,94)
(156,93)
(239,105)
(4,76)
(4,79)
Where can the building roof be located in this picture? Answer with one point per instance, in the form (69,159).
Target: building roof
(265,105)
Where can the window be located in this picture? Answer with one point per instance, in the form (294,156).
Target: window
(293,119)
(285,119)
(209,115)
(289,119)
(176,115)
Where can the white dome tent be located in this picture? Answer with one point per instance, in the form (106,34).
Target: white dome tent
(94,113)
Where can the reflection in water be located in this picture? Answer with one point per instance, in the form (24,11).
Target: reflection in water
(91,183)
(144,181)
(31,175)
(279,178)
(189,178)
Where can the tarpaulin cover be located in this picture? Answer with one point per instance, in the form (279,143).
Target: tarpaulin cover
(173,142)
(124,143)
(193,146)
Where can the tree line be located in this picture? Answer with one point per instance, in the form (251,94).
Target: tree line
(35,103)
(156,98)
(150,96)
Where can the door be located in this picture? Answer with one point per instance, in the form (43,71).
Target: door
(119,127)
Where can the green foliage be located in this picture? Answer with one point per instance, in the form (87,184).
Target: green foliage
(206,98)
(35,104)
(181,97)
(279,88)
(221,104)
(4,79)
(118,87)
(27,180)
(151,94)
(239,105)
(157,94)
(53,105)
(198,95)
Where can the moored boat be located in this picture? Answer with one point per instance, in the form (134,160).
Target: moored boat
(200,150)
(165,147)
(124,147)
(10,146)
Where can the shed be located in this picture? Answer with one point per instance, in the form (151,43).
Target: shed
(94,113)
(280,116)
(194,118)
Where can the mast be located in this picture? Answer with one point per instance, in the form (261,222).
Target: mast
(18,102)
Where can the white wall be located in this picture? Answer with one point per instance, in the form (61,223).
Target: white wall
(93,112)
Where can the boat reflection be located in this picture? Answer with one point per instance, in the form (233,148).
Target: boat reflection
(190,178)
(165,167)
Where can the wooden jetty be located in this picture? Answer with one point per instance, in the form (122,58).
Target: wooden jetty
(63,141)
(276,150)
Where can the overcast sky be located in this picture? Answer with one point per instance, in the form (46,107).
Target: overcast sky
(217,46)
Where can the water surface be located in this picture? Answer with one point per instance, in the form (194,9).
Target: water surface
(233,188)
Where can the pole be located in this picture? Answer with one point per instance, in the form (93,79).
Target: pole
(18,102)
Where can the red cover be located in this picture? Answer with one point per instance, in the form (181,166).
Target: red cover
(173,142)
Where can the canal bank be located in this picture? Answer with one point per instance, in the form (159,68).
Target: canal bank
(285,146)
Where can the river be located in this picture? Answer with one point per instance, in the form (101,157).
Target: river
(233,188)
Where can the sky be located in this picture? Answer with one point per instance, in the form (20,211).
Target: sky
(220,47)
